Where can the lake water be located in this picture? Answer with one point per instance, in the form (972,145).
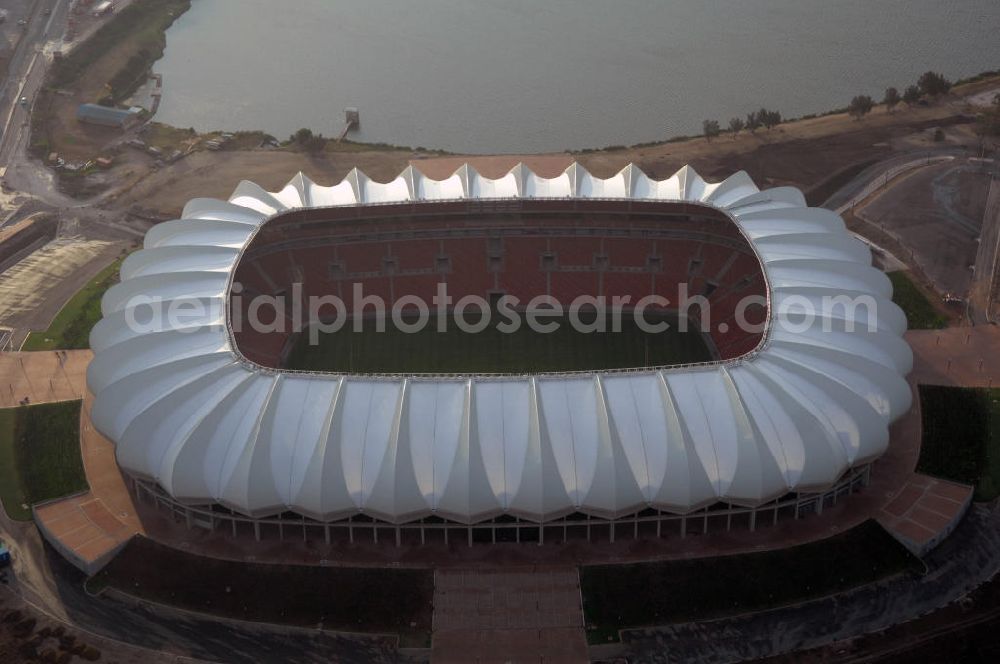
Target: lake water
(546,75)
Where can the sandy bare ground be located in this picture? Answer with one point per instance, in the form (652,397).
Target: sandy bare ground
(26,286)
(984,98)
(216,174)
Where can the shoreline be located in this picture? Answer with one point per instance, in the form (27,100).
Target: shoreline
(152,59)
(56,131)
(679,138)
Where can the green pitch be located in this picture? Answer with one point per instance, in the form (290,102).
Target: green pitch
(491,351)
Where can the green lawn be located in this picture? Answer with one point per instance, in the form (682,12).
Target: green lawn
(920,313)
(455,351)
(645,594)
(72,325)
(39,455)
(385,601)
(146,22)
(961,439)
(11,490)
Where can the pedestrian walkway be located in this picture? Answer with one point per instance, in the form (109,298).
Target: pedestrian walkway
(925,511)
(42,377)
(483,616)
(83,530)
(961,356)
(88,528)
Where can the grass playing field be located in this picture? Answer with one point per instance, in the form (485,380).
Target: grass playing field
(962,436)
(39,455)
(491,351)
(622,596)
(386,601)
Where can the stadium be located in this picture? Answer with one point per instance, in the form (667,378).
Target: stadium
(759,401)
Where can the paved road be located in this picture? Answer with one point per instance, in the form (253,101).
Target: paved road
(25,78)
(879,175)
(984,275)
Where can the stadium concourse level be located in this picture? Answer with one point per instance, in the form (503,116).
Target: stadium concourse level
(520,248)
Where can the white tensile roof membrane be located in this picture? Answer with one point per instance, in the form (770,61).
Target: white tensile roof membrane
(185,410)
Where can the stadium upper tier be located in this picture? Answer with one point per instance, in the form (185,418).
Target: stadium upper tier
(622,250)
(809,399)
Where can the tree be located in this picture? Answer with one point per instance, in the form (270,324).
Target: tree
(911,95)
(308,141)
(753,122)
(710,128)
(769,119)
(860,106)
(735,126)
(933,84)
(891,99)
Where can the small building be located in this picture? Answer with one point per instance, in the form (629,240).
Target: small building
(106,116)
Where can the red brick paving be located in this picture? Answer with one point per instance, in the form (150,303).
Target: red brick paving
(925,510)
(497,616)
